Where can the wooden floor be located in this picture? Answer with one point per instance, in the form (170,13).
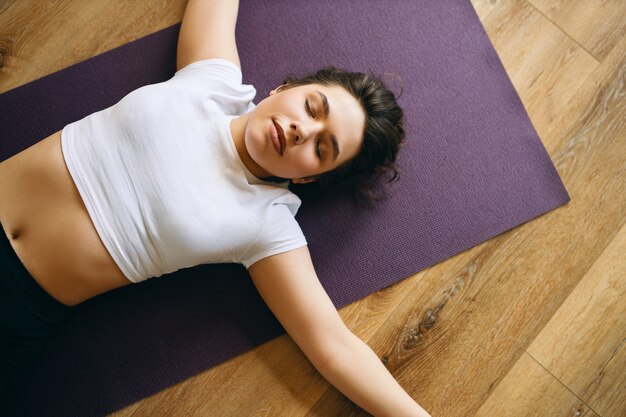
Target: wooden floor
(529,323)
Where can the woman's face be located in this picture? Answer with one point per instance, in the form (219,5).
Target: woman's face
(308,132)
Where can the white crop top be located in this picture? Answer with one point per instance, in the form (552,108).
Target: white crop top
(163,182)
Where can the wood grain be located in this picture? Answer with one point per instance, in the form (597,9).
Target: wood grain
(596,25)
(38,38)
(530,322)
(584,343)
(528,390)
(545,65)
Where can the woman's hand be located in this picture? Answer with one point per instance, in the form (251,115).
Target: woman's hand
(291,289)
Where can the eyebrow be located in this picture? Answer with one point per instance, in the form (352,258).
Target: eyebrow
(333,139)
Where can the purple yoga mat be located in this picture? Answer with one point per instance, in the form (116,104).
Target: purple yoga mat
(473,167)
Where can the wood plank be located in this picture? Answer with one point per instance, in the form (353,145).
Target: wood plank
(597,25)
(529,390)
(584,343)
(544,64)
(38,38)
(592,103)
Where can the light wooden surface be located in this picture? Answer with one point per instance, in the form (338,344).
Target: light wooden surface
(529,323)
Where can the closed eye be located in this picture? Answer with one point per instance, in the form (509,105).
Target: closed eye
(308,108)
(310,112)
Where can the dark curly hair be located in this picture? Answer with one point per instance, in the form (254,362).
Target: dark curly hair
(384,132)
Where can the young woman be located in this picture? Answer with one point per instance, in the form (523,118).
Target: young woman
(190,171)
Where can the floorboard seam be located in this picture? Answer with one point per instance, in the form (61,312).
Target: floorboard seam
(563,31)
(560,382)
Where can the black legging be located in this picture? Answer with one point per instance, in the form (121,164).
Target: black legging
(28,315)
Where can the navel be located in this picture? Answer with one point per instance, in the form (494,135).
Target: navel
(14,234)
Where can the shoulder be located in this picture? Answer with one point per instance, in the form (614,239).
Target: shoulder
(218,70)
(219,80)
(280,232)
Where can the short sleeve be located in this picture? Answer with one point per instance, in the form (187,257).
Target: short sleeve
(281,233)
(220,80)
(212,68)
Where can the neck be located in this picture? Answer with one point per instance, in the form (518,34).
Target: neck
(237,130)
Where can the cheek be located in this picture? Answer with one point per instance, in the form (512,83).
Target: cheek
(306,159)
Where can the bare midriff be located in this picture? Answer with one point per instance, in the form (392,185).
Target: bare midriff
(48,225)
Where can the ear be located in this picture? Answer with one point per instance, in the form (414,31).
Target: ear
(303,180)
(277,89)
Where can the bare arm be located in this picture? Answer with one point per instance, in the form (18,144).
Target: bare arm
(290,287)
(208,31)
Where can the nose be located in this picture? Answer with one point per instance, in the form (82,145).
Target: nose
(304,131)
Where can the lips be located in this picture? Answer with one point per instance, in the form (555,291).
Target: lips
(281,137)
